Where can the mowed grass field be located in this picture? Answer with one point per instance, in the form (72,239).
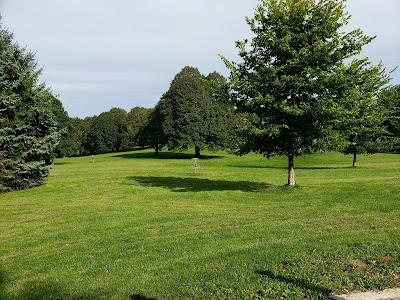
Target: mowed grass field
(132,226)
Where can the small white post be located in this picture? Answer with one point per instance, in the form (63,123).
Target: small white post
(195,162)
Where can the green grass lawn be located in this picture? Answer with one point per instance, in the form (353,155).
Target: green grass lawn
(131,226)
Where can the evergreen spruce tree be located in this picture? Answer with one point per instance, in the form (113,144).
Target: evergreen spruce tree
(29,133)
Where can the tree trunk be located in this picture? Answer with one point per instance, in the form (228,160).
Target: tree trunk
(197,152)
(291,177)
(157,150)
(354,159)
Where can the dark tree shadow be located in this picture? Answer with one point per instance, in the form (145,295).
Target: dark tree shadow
(298,282)
(198,184)
(2,283)
(140,297)
(58,163)
(45,290)
(285,167)
(163,155)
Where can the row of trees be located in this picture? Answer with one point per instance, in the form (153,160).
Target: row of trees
(194,112)
(111,131)
(197,112)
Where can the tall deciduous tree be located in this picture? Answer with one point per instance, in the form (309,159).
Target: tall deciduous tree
(362,122)
(137,118)
(195,112)
(292,75)
(186,112)
(222,127)
(108,132)
(29,132)
(390,99)
(151,134)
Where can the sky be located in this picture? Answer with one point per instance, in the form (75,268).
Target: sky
(99,54)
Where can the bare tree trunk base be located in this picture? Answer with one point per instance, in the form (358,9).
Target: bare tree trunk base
(197,152)
(291,175)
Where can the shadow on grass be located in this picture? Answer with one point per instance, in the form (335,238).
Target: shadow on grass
(163,155)
(296,168)
(45,290)
(303,284)
(59,163)
(140,297)
(2,287)
(198,184)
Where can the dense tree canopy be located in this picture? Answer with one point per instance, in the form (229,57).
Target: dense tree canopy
(151,134)
(137,118)
(194,112)
(29,132)
(293,80)
(362,122)
(186,109)
(108,132)
(390,99)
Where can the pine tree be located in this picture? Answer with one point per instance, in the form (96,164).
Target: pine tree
(29,133)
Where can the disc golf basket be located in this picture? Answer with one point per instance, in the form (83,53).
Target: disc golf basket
(195,165)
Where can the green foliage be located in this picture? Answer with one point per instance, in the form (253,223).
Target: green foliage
(390,99)
(195,112)
(222,130)
(362,117)
(186,109)
(111,131)
(108,132)
(137,118)
(30,131)
(66,146)
(292,79)
(151,133)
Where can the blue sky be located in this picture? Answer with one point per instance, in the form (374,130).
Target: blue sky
(99,54)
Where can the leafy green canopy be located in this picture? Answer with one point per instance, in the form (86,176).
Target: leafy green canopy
(362,125)
(194,112)
(390,99)
(292,77)
(29,133)
(293,81)
(108,132)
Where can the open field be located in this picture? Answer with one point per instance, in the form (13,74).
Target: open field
(131,226)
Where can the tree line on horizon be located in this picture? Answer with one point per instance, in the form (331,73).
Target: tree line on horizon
(293,93)
(194,112)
